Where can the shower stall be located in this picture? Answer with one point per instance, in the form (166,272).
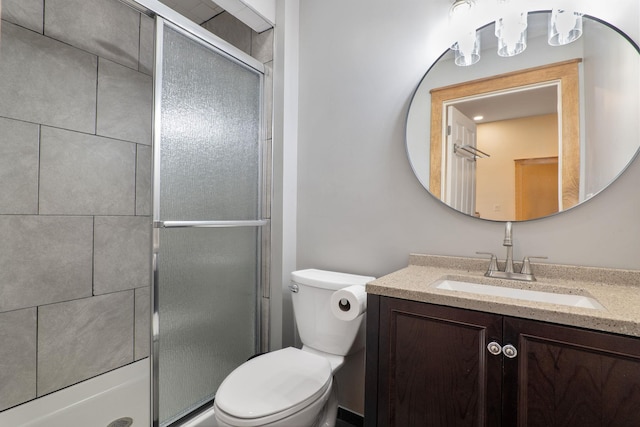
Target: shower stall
(133,212)
(210,222)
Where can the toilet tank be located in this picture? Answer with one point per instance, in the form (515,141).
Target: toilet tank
(317,326)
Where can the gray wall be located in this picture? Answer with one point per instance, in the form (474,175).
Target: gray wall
(75,162)
(360,208)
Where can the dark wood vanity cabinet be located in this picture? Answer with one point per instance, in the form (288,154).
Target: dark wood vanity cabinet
(429,366)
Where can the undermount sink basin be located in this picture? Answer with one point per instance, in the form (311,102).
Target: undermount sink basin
(521,294)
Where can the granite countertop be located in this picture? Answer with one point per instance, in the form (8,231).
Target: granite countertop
(617,290)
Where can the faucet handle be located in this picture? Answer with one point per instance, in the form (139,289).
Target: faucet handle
(493,263)
(526,264)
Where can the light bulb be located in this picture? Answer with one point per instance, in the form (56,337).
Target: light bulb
(511,30)
(467,49)
(565,26)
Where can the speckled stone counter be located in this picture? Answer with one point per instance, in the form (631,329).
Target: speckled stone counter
(617,290)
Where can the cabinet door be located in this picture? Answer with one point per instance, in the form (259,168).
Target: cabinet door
(568,377)
(434,367)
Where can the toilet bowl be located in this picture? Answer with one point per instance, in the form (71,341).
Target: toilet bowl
(295,387)
(288,387)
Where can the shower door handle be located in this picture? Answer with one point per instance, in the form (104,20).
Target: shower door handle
(210,224)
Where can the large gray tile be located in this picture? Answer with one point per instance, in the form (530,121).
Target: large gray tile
(232,30)
(147,45)
(143,181)
(80,339)
(86,175)
(45,81)
(107,28)
(44,259)
(143,323)
(18,167)
(26,13)
(125,98)
(122,253)
(262,46)
(17,357)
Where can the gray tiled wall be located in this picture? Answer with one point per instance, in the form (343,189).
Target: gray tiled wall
(106,28)
(38,86)
(142,308)
(93,333)
(120,250)
(124,97)
(84,174)
(75,204)
(75,199)
(18,167)
(44,259)
(18,356)
(26,13)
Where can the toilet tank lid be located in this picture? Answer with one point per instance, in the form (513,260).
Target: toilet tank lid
(328,279)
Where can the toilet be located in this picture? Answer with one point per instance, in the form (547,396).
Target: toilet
(295,387)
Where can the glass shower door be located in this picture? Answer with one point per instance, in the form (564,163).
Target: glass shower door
(208,220)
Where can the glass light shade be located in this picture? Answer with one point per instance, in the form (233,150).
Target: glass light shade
(511,31)
(565,26)
(467,49)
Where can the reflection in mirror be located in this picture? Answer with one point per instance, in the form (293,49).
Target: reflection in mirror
(558,123)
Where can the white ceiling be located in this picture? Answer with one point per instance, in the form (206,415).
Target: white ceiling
(512,105)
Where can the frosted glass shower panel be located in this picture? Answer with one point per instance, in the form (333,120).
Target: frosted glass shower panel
(210,134)
(207,214)
(207,305)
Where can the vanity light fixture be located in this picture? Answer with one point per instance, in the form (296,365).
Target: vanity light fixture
(467,49)
(565,26)
(511,28)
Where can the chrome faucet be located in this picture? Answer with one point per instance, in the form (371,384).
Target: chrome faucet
(525,273)
(508,243)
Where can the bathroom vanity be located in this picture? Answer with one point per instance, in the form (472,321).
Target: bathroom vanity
(441,357)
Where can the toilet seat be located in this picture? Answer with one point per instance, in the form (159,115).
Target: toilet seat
(272,386)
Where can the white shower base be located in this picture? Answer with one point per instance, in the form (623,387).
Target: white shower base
(122,393)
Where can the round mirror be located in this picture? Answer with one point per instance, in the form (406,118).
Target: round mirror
(523,137)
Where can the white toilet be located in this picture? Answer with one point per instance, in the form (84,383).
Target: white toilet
(292,387)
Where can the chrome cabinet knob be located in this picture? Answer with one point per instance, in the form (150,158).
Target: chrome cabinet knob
(494,348)
(509,351)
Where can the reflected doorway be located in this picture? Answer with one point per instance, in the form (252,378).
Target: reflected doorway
(536,187)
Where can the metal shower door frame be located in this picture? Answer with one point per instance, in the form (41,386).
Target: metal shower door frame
(166,17)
